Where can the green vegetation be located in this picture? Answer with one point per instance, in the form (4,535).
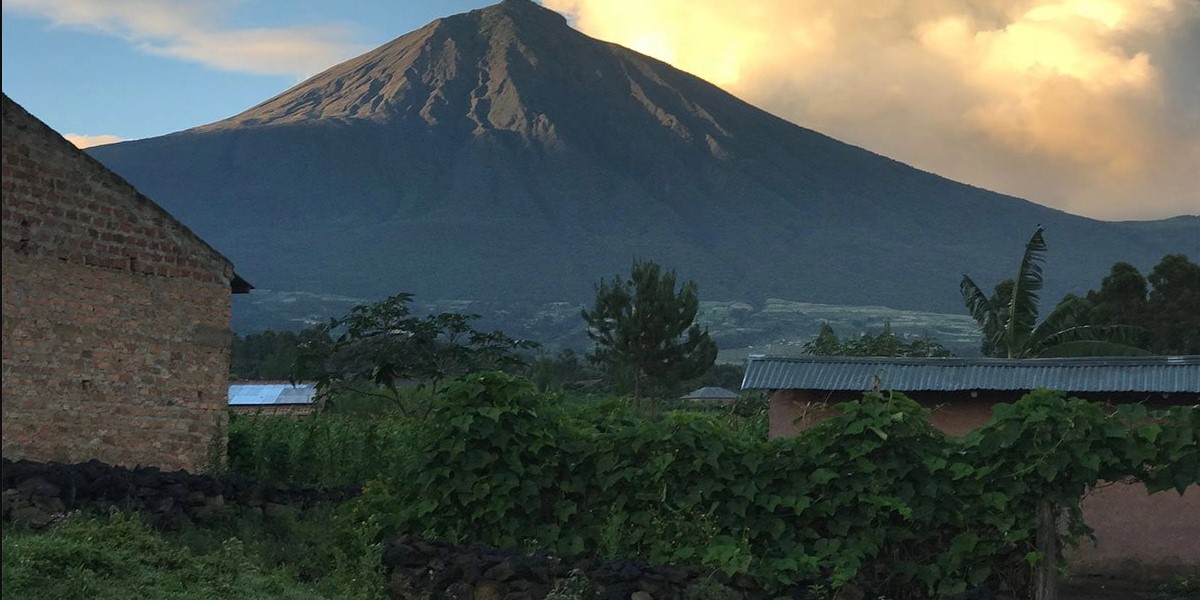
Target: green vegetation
(270,355)
(1009,318)
(333,450)
(574,587)
(1183,588)
(565,370)
(782,328)
(575,375)
(1128,315)
(102,557)
(874,497)
(1160,318)
(381,345)
(1163,306)
(645,328)
(885,343)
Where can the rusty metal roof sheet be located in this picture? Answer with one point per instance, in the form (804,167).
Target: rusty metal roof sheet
(1110,374)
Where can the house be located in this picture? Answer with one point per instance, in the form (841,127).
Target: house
(717,395)
(1136,532)
(272,397)
(116,316)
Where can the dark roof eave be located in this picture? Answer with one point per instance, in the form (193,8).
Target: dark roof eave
(239,285)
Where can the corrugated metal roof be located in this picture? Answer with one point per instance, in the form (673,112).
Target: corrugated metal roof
(262,394)
(711,393)
(1111,374)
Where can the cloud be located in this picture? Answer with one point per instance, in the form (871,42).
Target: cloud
(82,140)
(1085,105)
(191,30)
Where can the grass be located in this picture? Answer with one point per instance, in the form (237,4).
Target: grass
(101,557)
(1182,588)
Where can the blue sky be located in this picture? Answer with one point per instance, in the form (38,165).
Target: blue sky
(1089,106)
(87,73)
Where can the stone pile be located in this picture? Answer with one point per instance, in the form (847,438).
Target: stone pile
(36,494)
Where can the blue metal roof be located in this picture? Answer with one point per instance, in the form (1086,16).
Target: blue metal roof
(264,394)
(1109,374)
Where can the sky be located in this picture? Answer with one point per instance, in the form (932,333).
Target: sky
(1088,106)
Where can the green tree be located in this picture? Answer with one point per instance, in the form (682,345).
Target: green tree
(562,371)
(885,343)
(825,344)
(1009,319)
(1174,306)
(271,354)
(1121,299)
(380,345)
(1165,305)
(644,326)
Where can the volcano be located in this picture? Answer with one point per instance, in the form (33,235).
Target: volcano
(501,156)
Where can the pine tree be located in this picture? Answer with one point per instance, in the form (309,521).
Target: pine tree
(646,326)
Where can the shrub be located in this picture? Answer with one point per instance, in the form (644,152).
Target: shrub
(113,557)
(874,496)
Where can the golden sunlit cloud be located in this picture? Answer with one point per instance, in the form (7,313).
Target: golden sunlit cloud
(191,30)
(1091,106)
(87,141)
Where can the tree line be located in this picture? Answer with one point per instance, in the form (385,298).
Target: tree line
(1128,315)
(646,341)
(643,327)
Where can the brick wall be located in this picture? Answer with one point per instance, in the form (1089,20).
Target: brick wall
(275,410)
(115,316)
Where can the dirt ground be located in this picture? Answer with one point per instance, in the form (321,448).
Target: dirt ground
(1104,588)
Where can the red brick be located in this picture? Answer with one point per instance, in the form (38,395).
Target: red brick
(93,368)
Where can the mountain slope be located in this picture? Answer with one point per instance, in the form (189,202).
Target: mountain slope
(500,155)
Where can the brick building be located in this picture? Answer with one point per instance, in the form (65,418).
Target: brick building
(1137,534)
(115,315)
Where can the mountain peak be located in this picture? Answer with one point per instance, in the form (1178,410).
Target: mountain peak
(523,9)
(519,13)
(437,73)
(512,67)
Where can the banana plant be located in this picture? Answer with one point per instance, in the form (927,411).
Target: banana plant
(1009,319)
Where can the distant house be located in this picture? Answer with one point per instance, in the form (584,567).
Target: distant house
(1136,533)
(962,391)
(116,315)
(272,397)
(711,394)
